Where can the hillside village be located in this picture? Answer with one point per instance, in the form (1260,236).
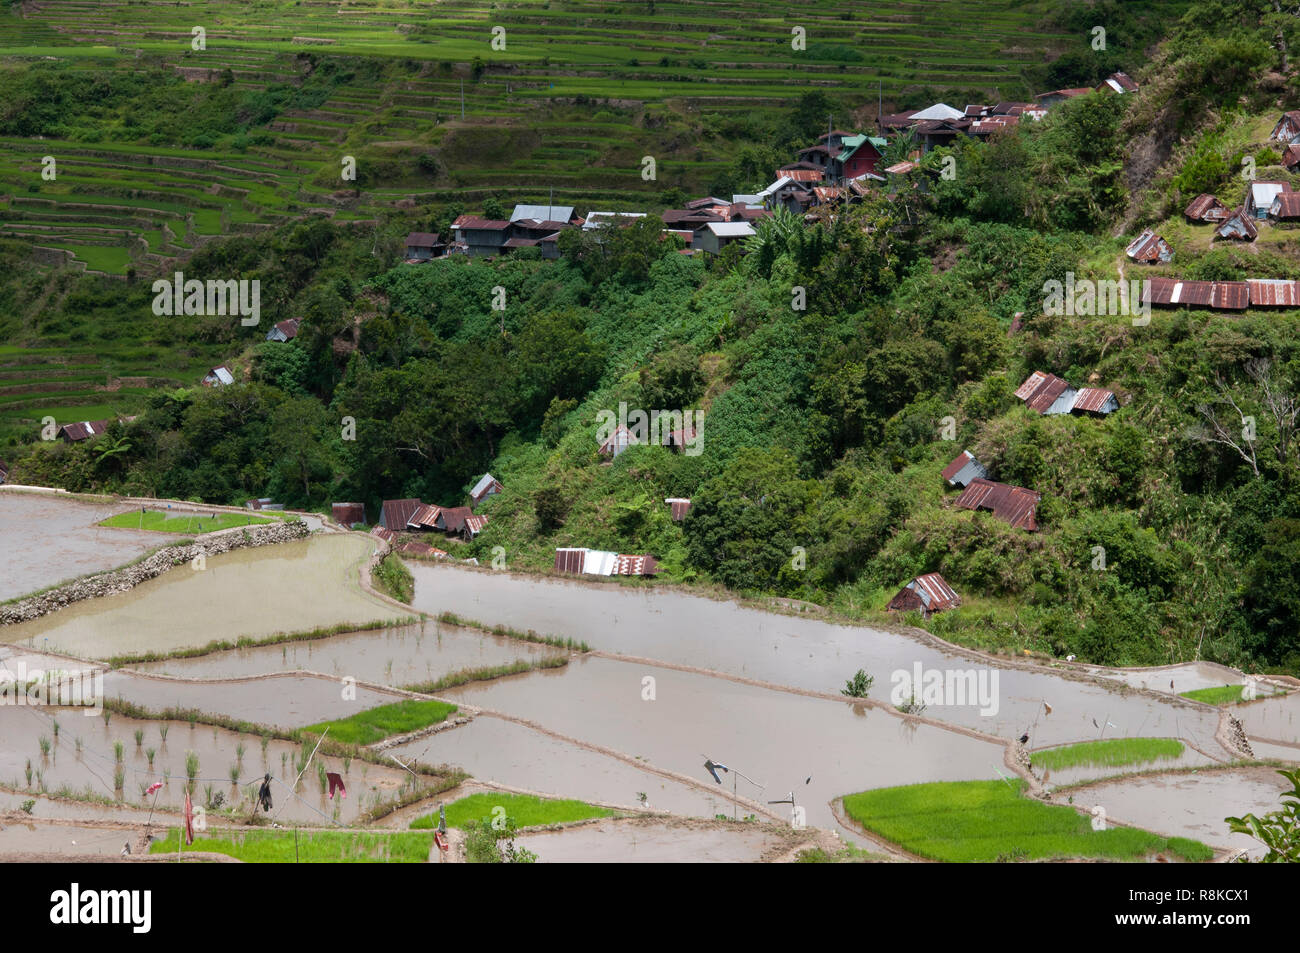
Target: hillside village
(923,489)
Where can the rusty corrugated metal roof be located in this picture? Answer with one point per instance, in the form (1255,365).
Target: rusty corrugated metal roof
(84,429)
(1273,293)
(1011,504)
(636,566)
(1285,205)
(424,517)
(678,507)
(1040,390)
(474,524)
(1093,399)
(569,560)
(396,513)
(345,514)
(1149,247)
(1238,225)
(1206,208)
(958,464)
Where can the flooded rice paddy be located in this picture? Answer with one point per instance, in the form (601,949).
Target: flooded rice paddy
(1275,720)
(650,842)
(1191,804)
(90,773)
(399,656)
(46,539)
(805,653)
(256,593)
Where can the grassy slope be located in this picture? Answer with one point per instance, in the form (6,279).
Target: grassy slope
(527,811)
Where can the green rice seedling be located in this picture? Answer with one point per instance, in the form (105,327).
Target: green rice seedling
(106,716)
(162,734)
(118,748)
(239,752)
(139,737)
(191,767)
(119,778)
(266,740)
(321,776)
(45,746)
(56,731)
(29,772)
(234,774)
(149,753)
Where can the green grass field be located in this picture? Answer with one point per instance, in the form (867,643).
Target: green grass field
(527,811)
(309,847)
(1218,695)
(1111,753)
(376,724)
(984,821)
(189,524)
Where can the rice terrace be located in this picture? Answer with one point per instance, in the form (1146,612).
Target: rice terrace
(652,431)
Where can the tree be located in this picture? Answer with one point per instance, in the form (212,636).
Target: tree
(1279,830)
(858,685)
(492,208)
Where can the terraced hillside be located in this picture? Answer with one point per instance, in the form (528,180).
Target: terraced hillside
(581,91)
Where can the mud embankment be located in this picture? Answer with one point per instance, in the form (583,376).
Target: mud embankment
(128,577)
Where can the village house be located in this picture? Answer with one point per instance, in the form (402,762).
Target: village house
(562,214)
(1049,395)
(1285,207)
(424,246)
(480,237)
(1291,158)
(1259,199)
(1273,293)
(609,219)
(1014,505)
(1215,295)
(678,507)
(964,468)
(219,377)
(348,514)
(486,486)
(1287,129)
(395,514)
(285,330)
(83,430)
(925,594)
(1205,208)
(1149,248)
(714,236)
(1237,226)
(1117,83)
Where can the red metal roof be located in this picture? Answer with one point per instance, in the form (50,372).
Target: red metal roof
(1223,295)
(396,513)
(958,464)
(83,429)
(475,524)
(289,328)
(421,549)
(1149,247)
(422,240)
(678,506)
(1287,205)
(636,566)
(569,560)
(1092,399)
(346,514)
(1290,156)
(1011,504)
(424,517)
(480,223)
(455,517)
(1240,219)
(1040,390)
(1206,208)
(801,175)
(1273,293)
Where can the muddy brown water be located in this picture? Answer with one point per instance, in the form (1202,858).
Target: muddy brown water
(255,592)
(23,727)
(402,655)
(285,701)
(1190,805)
(46,540)
(516,756)
(1272,719)
(619,842)
(816,748)
(1174,678)
(56,840)
(674,627)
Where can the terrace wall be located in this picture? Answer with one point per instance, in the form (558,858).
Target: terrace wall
(128,577)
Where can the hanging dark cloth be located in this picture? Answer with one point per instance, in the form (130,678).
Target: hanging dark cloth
(336,784)
(264,794)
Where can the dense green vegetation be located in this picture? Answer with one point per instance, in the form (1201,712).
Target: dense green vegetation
(1110,753)
(825,428)
(392,577)
(1218,695)
(194,523)
(385,721)
(986,821)
(524,809)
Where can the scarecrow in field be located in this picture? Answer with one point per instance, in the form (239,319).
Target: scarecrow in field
(264,794)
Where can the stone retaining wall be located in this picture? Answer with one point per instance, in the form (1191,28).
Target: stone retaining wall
(120,580)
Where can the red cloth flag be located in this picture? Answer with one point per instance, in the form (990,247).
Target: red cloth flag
(157,785)
(336,784)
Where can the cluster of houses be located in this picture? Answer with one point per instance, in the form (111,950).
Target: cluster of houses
(415,516)
(841,166)
(1272,200)
(1048,394)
